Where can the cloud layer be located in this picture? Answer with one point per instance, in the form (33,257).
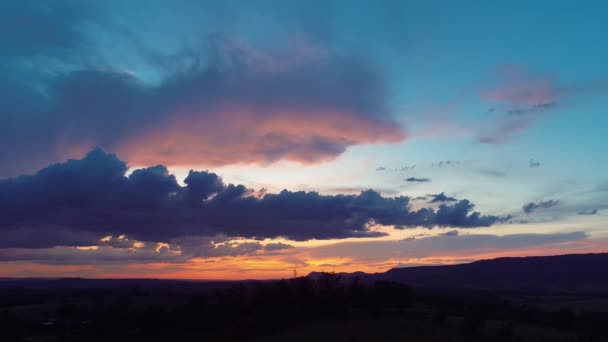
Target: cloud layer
(80,201)
(222,100)
(256,109)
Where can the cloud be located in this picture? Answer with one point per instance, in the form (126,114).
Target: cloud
(520,87)
(533,163)
(277,246)
(218,99)
(450,246)
(450,233)
(441,198)
(517,120)
(118,249)
(492,173)
(62,255)
(526,97)
(356,189)
(446,163)
(396,169)
(588,212)
(601,187)
(41,29)
(89,199)
(250,111)
(534,108)
(420,180)
(530,207)
(503,132)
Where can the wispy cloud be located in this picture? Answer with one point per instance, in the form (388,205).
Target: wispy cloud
(417,180)
(525,97)
(532,163)
(533,206)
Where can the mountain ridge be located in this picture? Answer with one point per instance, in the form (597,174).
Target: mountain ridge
(568,272)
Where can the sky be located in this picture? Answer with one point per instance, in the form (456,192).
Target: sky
(262,139)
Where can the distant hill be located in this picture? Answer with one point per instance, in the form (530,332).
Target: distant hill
(574,272)
(563,273)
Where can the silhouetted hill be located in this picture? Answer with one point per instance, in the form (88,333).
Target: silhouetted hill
(574,272)
(507,299)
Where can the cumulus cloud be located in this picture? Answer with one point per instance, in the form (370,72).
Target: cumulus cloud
(532,206)
(419,180)
(91,198)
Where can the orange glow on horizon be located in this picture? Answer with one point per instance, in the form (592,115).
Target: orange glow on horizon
(282,264)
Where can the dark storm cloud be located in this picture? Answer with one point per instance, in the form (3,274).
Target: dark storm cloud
(532,206)
(441,198)
(92,198)
(419,180)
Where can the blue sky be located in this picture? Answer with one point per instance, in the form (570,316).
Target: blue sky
(501,105)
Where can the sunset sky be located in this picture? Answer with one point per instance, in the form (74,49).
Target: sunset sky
(252,139)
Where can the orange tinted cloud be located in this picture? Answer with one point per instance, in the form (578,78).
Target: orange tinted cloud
(241,135)
(232,104)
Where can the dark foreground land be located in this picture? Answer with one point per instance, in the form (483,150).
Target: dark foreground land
(529,299)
